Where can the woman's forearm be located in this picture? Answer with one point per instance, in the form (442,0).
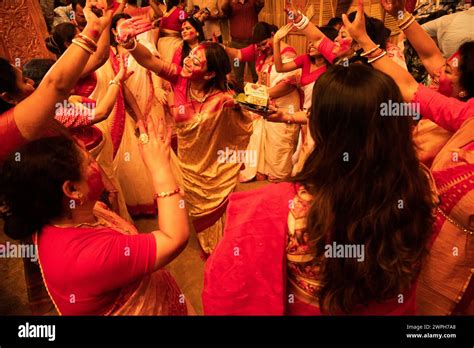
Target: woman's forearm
(106,104)
(101,55)
(280,89)
(54,88)
(425,47)
(132,104)
(146,59)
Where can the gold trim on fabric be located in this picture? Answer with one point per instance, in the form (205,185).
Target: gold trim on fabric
(300,258)
(302,295)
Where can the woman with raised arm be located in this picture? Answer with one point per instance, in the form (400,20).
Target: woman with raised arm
(18,98)
(446,278)
(212,132)
(452,77)
(345,50)
(274,143)
(116,270)
(312,65)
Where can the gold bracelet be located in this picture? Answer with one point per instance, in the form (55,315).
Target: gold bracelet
(378,57)
(405,26)
(91,43)
(166,194)
(369,51)
(113,82)
(83,46)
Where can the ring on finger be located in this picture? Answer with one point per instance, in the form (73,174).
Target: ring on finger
(143,138)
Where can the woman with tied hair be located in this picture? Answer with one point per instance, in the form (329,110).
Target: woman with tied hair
(361,187)
(446,282)
(208,125)
(92,261)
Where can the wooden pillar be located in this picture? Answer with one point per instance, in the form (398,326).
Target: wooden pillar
(22,31)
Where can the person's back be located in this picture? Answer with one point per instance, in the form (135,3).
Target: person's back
(350,233)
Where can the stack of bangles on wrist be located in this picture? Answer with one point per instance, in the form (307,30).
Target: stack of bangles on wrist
(130,45)
(302,23)
(374,54)
(166,193)
(406,21)
(85,42)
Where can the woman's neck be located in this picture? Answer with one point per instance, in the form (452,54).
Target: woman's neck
(78,215)
(199,88)
(193,44)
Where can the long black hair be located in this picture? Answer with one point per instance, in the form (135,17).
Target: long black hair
(31,181)
(217,62)
(368,187)
(7,83)
(466,68)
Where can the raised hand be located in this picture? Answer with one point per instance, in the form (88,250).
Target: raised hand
(154,145)
(357,28)
(123,73)
(282,32)
(94,21)
(132,27)
(394,7)
(294,15)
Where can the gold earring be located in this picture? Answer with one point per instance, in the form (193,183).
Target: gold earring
(462,94)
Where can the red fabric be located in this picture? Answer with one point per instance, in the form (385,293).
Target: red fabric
(246,274)
(85,268)
(242,20)
(85,86)
(206,221)
(249,53)
(326,46)
(177,56)
(446,112)
(174,20)
(307,76)
(10,135)
(74,116)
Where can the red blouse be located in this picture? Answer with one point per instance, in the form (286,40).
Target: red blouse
(85,268)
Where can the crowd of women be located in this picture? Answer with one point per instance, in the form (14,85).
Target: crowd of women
(131,117)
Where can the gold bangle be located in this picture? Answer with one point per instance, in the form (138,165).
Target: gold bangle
(377,58)
(369,51)
(166,194)
(81,45)
(91,43)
